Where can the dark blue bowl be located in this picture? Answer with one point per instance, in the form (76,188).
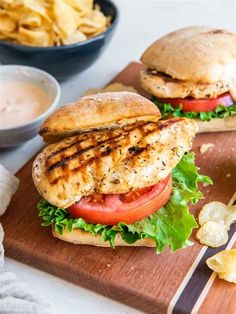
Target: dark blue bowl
(62,61)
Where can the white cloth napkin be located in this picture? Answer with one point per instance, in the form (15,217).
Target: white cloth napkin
(15,296)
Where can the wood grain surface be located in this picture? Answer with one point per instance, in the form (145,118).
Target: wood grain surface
(135,276)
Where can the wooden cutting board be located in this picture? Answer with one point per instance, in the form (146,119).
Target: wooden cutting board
(177,283)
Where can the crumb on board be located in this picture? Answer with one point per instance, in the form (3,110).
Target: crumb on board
(108,265)
(205,147)
(228,175)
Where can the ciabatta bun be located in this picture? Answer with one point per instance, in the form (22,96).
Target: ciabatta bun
(98,112)
(78,236)
(196,53)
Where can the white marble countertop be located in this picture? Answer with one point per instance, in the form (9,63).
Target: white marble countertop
(141,22)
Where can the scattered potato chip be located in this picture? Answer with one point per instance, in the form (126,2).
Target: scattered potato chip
(212,233)
(50,22)
(113,87)
(217,211)
(205,147)
(224,264)
(230,277)
(213,211)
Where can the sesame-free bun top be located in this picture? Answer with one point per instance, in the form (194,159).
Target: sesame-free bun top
(195,53)
(98,112)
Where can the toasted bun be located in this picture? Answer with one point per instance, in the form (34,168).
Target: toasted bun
(98,112)
(196,53)
(217,125)
(78,236)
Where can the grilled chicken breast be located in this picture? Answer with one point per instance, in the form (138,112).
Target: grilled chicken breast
(164,86)
(111,162)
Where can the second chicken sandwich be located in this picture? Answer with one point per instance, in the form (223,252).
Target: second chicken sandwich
(192,73)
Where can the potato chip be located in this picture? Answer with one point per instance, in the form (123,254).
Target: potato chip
(32,20)
(213,211)
(66,18)
(65,21)
(224,264)
(212,233)
(82,6)
(76,37)
(94,21)
(38,6)
(12,3)
(113,87)
(7,24)
(217,211)
(230,277)
(33,38)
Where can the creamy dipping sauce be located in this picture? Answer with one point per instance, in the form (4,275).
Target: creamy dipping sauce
(21,102)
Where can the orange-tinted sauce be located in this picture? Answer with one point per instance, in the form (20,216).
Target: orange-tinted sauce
(21,102)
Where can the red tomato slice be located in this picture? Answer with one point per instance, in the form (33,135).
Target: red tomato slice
(199,105)
(134,195)
(111,209)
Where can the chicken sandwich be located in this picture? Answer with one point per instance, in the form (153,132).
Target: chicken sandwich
(114,174)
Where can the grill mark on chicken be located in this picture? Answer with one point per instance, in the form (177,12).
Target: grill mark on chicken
(112,142)
(109,149)
(65,159)
(136,150)
(82,137)
(80,152)
(168,123)
(97,145)
(66,147)
(132,160)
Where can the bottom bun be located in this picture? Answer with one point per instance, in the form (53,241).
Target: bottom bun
(217,125)
(78,236)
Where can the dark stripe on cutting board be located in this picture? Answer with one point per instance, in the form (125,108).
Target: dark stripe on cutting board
(199,279)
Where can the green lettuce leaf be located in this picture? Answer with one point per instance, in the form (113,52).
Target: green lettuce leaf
(220,111)
(171,226)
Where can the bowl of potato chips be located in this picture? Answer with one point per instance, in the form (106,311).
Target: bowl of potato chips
(62,37)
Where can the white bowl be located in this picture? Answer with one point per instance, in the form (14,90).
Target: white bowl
(17,135)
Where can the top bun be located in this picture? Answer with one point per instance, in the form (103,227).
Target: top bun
(196,53)
(98,112)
